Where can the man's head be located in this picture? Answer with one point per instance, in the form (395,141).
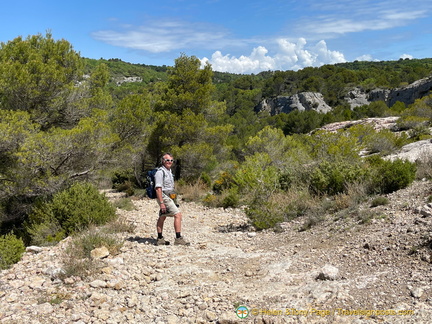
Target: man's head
(167,160)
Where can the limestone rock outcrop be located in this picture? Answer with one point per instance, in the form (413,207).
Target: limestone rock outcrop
(377,123)
(301,101)
(355,97)
(417,151)
(121,80)
(408,94)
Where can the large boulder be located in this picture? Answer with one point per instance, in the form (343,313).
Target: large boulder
(417,151)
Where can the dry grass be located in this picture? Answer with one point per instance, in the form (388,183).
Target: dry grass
(119,225)
(342,201)
(315,209)
(281,207)
(297,202)
(193,192)
(124,203)
(424,167)
(77,260)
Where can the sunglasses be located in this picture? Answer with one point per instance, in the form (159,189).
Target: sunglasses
(167,160)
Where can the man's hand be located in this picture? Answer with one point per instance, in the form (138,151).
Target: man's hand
(163,208)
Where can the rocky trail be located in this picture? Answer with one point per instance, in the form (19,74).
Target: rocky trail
(343,270)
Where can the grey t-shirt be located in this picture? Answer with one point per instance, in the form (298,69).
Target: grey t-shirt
(164,178)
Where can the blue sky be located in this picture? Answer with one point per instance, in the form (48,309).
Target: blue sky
(234,36)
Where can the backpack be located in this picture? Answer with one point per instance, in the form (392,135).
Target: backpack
(151,190)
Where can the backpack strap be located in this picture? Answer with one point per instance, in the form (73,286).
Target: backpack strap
(162,172)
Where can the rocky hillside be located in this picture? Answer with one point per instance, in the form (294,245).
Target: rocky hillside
(347,269)
(356,97)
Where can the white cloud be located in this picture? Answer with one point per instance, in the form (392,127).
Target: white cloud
(164,36)
(256,62)
(169,36)
(325,56)
(289,56)
(359,17)
(365,57)
(406,56)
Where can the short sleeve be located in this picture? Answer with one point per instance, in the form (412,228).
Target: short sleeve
(159,179)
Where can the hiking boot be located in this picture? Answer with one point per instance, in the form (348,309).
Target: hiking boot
(162,241)
(181,241)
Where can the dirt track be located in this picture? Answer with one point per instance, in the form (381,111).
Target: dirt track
(374,270)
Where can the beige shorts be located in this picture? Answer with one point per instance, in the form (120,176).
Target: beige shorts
(170,205)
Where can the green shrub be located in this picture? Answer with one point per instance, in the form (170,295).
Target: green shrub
(268,212)
(419,133)
(127,187)
(226,199)
(264,215)
(124,181)
(231,199)
(380,201)
(384,142)
(71,210)
(120,177)
(49,232)
(333,177)
(92,239)
(42,227)
(286,180)
(256,178)
(205,178)
(80,206)
(409,122)
(11,250)
(390,176)
(225,181)
(366,216)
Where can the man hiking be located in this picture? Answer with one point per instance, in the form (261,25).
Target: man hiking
(166,198)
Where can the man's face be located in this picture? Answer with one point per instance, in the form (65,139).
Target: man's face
(167,161)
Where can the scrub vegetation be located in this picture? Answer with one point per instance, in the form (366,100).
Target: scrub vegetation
(69,128)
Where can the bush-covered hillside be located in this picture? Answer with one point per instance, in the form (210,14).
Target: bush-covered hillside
(65,120)
(332,81)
